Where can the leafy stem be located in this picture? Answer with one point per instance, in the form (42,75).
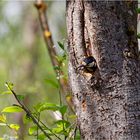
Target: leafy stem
(29,113)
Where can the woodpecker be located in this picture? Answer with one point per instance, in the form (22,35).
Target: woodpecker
(88,65)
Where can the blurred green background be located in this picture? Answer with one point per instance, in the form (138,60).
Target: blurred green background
(24,59)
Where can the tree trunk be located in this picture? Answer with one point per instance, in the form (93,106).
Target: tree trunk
(107,105)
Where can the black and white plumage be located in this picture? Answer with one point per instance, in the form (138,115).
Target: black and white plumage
(89,69)
(89,64)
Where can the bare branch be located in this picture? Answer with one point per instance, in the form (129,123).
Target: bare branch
(41,7)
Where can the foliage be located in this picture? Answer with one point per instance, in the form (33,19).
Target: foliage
(138,10)
(44,119)
(63,128)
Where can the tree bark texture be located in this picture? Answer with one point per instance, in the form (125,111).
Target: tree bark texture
(107,107)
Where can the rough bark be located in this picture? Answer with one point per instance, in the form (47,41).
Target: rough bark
(108,109)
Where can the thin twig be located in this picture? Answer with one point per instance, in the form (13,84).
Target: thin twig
(35,119)
(48,128)
(29,113)
(38,118)
(11,128)
(41,7)
(63,85)
(75,131)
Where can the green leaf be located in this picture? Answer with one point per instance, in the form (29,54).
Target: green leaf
(41,137)
(60,59)
(47,106)
(72,117)
(56,67)
(7,92)
(15,126)
(52,82)
(3,124)
(138,10)
(12,109)
(32,130)
(64,56)
(57,130)
(78,137)
(62,127)
(21,97)
(61,45)
(62,123)
(3,118)
(138,35)
(63,109)
(26,119)
(9,85)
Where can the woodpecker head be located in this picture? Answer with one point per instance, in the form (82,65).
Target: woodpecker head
(89,64)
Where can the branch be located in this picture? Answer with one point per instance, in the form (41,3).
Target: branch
(41,7)
(29,113)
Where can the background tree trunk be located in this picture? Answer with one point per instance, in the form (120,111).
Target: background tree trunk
(110,108)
